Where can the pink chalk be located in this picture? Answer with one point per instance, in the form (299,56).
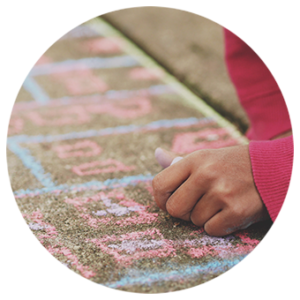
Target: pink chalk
(43,60)
(196,232)
(130,203)
(66,151)
(80,82)
(208,139)
(125,108)
(112,166)
(245,239)
(200,252)
(37,217)
(143,218)
(132,207)
(93,222)
(79,202)
(59,116)
(146,74)
(16,125)
(84,270)
(149,188)
(102,45)
(162,247)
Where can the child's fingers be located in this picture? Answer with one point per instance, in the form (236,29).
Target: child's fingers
(221,224)
(168,180)
(181,203)
(205,209)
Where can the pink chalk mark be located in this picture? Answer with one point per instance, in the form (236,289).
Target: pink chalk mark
(221,247)
(130,203)
(245,239)
(112,166)
(83,100)
(196,232)
(37,217)
(148,186)
(16,125)
(127,259)
(79,202)
(84,270)
(209,139)
(43,60)
(59,116)
(102,46)
(66,151)
(142,216)
(200,252)
(125,108)
(80,82)
(93,222)
(146,74)
(120,196)
(227,252)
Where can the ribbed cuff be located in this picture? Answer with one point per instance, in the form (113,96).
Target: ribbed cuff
(272,163)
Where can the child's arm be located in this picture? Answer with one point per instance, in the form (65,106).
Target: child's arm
(211,188)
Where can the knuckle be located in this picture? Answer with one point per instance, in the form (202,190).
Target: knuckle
(238,211)
(207,173)
(222,192)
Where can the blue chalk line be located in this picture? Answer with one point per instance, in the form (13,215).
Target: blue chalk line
(153,90)
(44,178)
(156,125)
(91,185)
(187,272)
(32,164)
(37,92)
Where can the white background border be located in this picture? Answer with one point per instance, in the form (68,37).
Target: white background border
(28,28)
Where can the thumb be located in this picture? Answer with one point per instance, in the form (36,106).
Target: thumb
(164,157)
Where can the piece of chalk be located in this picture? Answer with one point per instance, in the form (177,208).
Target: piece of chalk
(175,160)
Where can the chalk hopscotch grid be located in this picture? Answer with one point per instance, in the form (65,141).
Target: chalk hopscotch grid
(41,98)
(100,28)
(135,57)
(44,178)
(153,90)
(38,93)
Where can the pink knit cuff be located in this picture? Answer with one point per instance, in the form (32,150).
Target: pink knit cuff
(272,163)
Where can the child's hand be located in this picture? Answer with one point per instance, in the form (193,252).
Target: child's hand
(211,188)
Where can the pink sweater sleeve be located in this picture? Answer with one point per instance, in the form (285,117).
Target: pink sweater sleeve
(264,104)
(272,163)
